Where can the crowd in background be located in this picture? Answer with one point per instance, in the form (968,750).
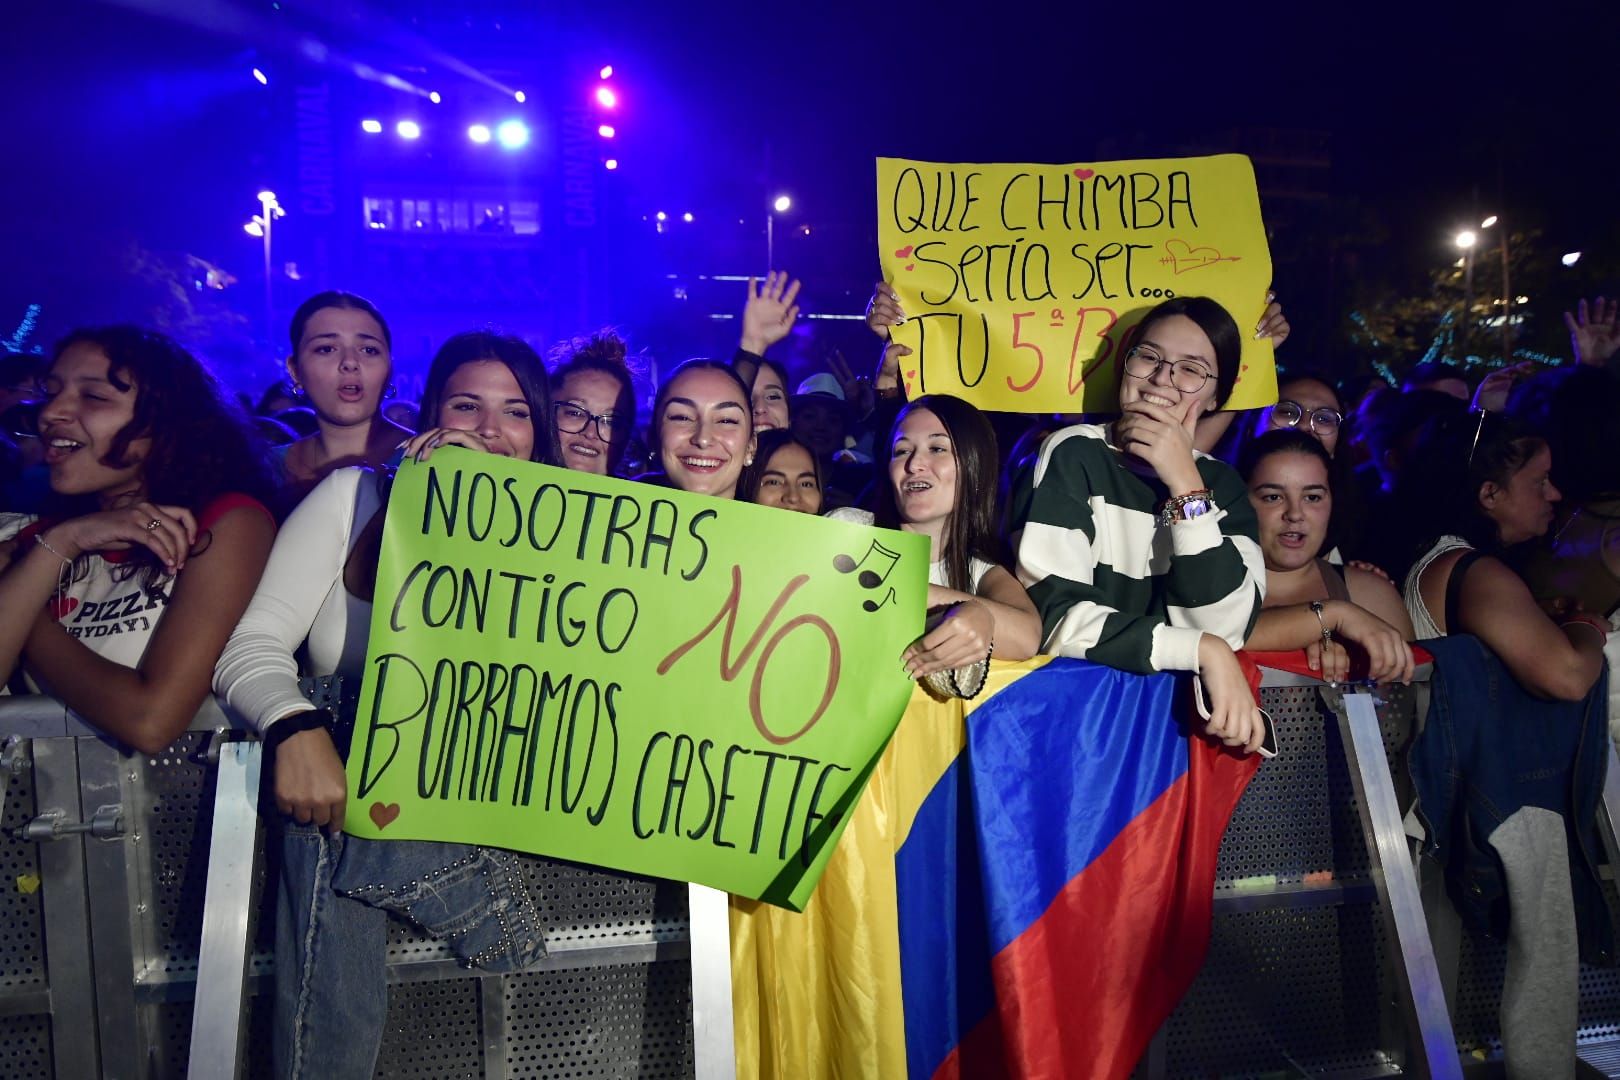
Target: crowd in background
(164,543)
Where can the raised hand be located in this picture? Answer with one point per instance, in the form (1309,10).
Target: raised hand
(769,313)
(883,310)
(1594,332)
(169,532)
(857,388)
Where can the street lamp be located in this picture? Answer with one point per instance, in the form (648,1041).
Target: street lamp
(261,225)
(780,205)
(1466,241)
(1571,258)
(1507,291)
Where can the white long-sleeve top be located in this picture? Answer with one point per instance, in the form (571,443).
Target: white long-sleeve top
(301,599)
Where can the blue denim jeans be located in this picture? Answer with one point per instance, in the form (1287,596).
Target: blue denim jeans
(332,936)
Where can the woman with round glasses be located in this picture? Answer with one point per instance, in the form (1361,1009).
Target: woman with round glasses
(1140,551)
(1306,403)
(593,402)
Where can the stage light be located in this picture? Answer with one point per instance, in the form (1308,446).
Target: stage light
(606,131)
(606,98)
(371,127)
(687,217)
(1571,258)
(521,97)
(479,133)
(264,80)
(782,204)
(1488,222)
(434,97)
(408,129)
(607,71)
(661,216)
(513,134)
(613,163)
(1465,239)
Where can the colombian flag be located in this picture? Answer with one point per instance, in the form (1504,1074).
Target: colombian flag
(1024,890)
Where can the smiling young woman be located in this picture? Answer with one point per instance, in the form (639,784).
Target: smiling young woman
(120,601)
(1139,550)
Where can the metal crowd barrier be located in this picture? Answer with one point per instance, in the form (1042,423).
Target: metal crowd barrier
(1320,961)
(112,965)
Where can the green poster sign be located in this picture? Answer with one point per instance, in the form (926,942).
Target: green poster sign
(627,675)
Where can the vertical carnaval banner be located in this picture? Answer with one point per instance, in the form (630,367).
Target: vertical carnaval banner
(627,675)
(1020,281)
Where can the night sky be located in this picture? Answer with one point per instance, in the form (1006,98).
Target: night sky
(120,121)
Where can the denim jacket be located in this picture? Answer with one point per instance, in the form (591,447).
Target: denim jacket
(1487,748)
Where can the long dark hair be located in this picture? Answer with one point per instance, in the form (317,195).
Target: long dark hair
(1216,323)
(1455,455)
(202,444)
(524,364)
(972,530)
(769,443)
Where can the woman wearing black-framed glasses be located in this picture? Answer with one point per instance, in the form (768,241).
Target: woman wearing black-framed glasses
(593,402)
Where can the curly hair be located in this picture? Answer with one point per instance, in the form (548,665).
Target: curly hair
(202,444)
(607,352)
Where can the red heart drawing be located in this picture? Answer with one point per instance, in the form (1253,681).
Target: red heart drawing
(383,816)
(1182,256)
(911,376)
(911,266)
(1084,174)
(903,253)
(62,606)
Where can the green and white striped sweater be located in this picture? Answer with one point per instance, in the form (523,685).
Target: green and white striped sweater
(1113,585)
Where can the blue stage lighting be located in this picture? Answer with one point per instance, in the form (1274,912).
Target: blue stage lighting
(408,129)
(264,80)
(513,134)
(479,133)
(610,164)
(521,97)
(606,131)
(434,97)
(371,127)
(687,217)
(607,71)
(606,97)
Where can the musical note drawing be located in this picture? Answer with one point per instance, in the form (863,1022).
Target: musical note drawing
(1182,256)
(869,579)
(873,605)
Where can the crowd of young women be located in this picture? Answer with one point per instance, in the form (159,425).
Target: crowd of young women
(157,570)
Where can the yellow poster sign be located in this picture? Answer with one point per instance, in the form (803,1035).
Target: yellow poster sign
(1020,281)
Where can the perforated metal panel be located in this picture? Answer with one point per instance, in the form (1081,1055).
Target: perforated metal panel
(1289,989)
(624,1021)
(22,950)
(25,1047)
(1297,985)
